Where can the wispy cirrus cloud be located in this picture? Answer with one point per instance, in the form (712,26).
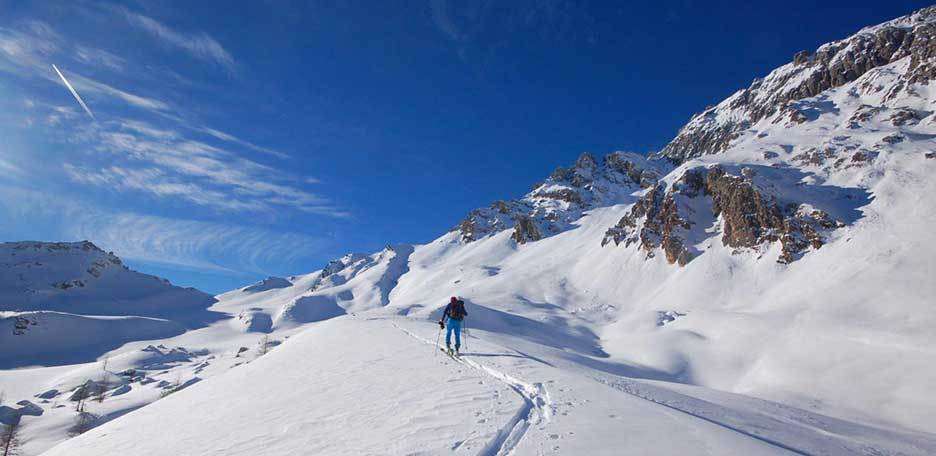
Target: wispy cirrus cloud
(235,140)
(157,183)
(196,244)
(217,196)
(165,163)
(27,46)
(172,164)
(99,57)
(8,168)
(28,52)
(90,85)
(209,246)
(197,44)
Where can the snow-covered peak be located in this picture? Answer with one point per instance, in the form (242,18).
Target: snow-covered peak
(911,38)
(81,278)
(59,260)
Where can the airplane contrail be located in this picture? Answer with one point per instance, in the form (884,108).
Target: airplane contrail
(74,92)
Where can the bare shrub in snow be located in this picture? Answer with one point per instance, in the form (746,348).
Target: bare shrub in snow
(83,423)
(9,440)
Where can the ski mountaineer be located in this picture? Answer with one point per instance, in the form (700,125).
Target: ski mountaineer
(455,312)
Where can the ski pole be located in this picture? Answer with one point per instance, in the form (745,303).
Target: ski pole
(437,342)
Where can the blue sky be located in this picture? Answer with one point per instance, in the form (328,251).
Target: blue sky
(234,142)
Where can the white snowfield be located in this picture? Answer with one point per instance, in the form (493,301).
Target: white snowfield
(575,345)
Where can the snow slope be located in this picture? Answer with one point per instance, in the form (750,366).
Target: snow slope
(761,287)
(378,386)
(58,338)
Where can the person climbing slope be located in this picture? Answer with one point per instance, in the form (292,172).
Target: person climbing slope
(455,312)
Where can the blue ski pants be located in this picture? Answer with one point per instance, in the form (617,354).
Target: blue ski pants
(453,326)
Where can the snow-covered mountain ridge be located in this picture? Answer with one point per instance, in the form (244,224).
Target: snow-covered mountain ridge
(66,302)
(553,205)
(911,38)
(80,277)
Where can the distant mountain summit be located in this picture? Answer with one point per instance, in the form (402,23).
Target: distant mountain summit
(79,277)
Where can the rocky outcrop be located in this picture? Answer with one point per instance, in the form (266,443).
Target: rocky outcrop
(832,65)
(525,230)
(340,264)
(749,217)
(561,199)
(906,116)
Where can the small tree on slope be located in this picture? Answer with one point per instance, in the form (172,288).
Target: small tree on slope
(9,440)
(83,423)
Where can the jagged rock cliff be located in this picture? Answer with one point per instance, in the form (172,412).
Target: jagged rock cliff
(749,216)
(560,200)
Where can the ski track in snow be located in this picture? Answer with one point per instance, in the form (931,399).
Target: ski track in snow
(633,389)
(535,409)
(800,435)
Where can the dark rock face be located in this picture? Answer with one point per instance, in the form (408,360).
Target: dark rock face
(801,58)
(832,65)
(893,139)
(525,231)
(907,116)
(553,204)
(662,222)
(565,194)
(749,217)
(863,114)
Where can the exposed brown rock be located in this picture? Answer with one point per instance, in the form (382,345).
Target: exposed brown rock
(565,194)
(907,116)
(501,206)
(749,217)
(662,222)
(862,114)
(813,156)
(801,57)
(525,230)
(893,138)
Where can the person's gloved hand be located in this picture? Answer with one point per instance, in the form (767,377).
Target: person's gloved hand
(441,325)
